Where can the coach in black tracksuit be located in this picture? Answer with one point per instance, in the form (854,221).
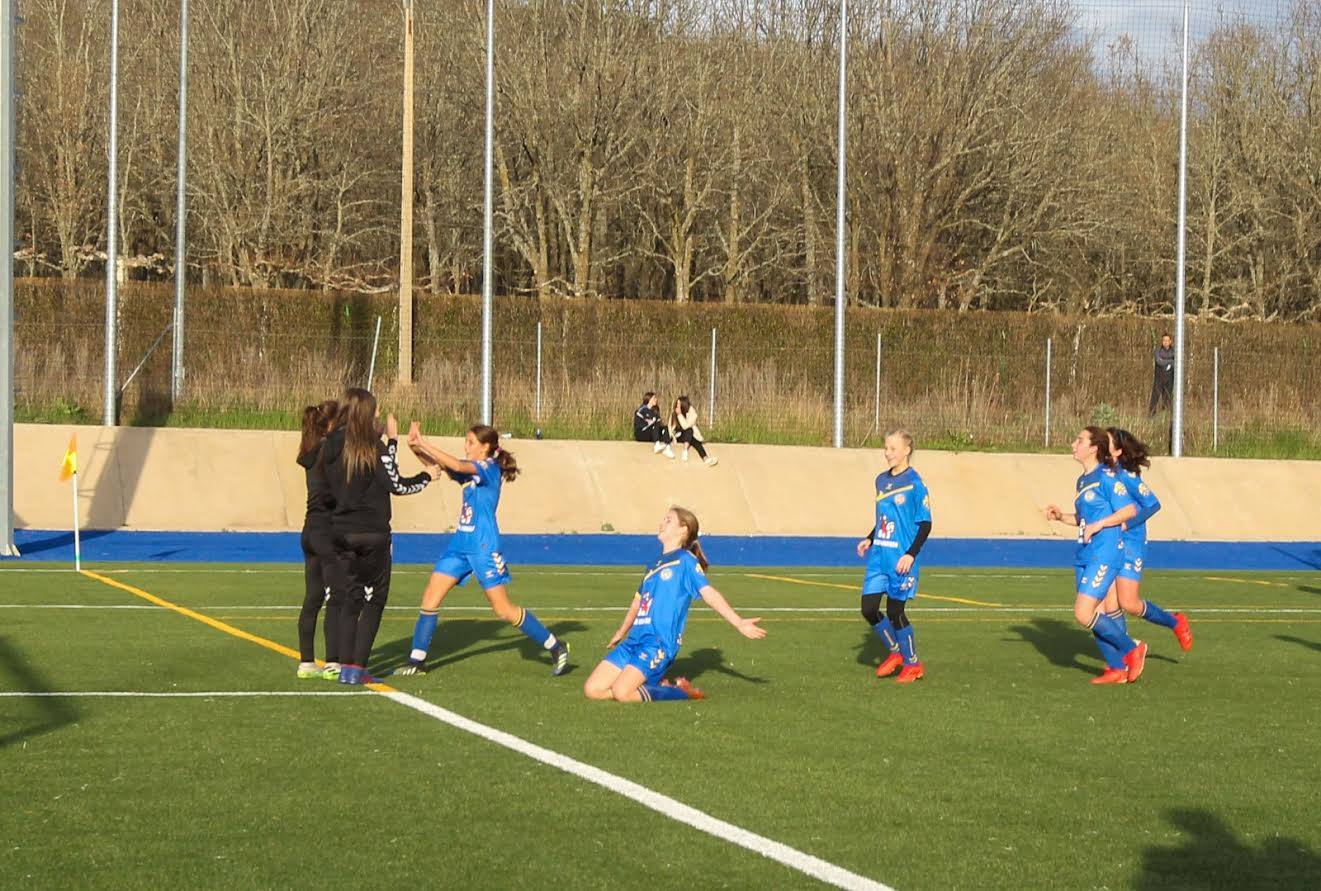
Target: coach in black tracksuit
(363,473)
(320,564)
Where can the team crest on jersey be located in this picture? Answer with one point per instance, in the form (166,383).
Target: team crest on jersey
(667,574)
(1089,495)
(900,499)
(885,528)
(1100,574)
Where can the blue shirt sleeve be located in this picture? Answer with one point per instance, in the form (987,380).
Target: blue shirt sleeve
(487,471)
(1148,503)
(1118,493)
(696,579)
(921,503)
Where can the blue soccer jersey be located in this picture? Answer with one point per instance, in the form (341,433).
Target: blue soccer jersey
(477,531)
(1099,494)
(1135,530)
(902,502)
(667,590)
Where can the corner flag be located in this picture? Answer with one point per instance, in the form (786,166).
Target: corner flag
(69,466)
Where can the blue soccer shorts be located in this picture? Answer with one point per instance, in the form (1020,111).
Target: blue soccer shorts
(489,568)
(882,578)
(1131,560)
(645,653)
(1095,577)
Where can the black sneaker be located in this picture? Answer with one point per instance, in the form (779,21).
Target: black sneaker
(409,670)
(559,658)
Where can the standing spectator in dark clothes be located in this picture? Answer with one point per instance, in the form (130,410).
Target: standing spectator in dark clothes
(320,563)
(648,426)
(1162,384)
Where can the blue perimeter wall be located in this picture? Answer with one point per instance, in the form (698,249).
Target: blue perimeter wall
(636,550)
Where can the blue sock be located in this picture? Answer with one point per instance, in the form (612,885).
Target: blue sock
(423,631)
(1113,658)
(535,630)
(1108,630)
(657,693)
(906,645)
(885,631)
(1157,616)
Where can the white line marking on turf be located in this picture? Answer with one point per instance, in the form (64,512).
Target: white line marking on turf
(616,609)
(662,804)
(213,694)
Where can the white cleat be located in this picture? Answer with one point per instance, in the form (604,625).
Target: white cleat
(668,452)
(710,460)
(657,447)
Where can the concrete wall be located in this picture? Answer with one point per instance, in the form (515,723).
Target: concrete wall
(168,479)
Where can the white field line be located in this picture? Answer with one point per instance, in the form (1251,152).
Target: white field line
(807,610)
(178,694)
(662,804)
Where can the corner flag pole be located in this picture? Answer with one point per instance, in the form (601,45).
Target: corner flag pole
(69,471)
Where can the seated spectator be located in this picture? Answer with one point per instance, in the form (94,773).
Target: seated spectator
(647,426)
(683,427)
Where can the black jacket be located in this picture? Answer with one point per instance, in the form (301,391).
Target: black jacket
(644,419)
(362,504)
(320,502)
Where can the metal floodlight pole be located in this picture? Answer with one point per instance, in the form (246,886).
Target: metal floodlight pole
(876,423)
(1048,346)
(538,418)
(110,406)
(406,211)
(8,171)
(1176,436)
(180,208)
(1215,401)
(839,231)
(487,211)
(711,399)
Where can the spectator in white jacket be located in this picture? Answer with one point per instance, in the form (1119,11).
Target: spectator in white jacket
(683,427)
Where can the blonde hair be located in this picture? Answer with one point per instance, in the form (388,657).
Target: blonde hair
(688,520)
(905,436)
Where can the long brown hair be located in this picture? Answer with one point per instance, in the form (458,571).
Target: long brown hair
(688,520)
(316,424)
(362,431)
(681,405)
(1132,451)
(504,459)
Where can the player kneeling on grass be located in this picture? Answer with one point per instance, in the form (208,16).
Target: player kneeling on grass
(903,522)
(649,638)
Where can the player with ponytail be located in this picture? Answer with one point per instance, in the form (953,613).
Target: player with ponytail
(650,636)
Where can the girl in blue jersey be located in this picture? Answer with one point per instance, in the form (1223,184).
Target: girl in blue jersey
(1102,504)
(1129,455)
(903,522)
(475,547)
(652,632)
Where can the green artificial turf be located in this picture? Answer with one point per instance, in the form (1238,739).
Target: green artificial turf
(1003,768)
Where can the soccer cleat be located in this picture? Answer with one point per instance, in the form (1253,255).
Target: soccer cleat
(890,665)
(307,670)
(355,676)
(657,447)
(710,460)
(1111,676)
(1183,632)
(330,672)
(412,669)
(1136,660)
(910,673)
(668,452)
(559,658)
(686,686)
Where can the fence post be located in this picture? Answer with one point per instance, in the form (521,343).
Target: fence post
(711,400)
(538,415)
(1215,400)
(1048,345)
(371,369)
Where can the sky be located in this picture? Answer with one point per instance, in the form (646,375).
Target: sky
(1155,25)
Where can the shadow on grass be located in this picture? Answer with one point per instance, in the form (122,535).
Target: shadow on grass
(697,663)
(872,650)
(1060,642)
(1309,589)
(1310,644)
(458,639)
(1210,856)
(18,675)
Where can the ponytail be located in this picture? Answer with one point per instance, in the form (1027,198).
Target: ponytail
(688,520)
(503,458)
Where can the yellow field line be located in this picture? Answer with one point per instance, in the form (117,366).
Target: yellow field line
(207,620)
(1217,578)
(793,581)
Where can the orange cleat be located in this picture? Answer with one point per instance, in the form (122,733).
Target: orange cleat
(1111,676)
(686,686)
(910,673)
(1183,632)
(1136,660)
(889,666)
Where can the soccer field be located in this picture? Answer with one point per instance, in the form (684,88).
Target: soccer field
(1003,768)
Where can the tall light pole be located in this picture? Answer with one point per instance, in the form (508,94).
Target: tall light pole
(406,212)
(1176,422)
(8,180)
(487,212)
(180,209)
(110,402)
(839,230)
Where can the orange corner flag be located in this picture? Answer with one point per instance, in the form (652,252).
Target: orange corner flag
(69,466)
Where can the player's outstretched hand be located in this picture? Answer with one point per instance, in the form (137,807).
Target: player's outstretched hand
(391,426)
(750,629)
(414,433)
(1054,513)
(863,547)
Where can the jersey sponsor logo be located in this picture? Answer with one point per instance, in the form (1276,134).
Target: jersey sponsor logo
(1120,488)
(465,514)
(899,499)
(644,609)
(1101,572)
(885,528)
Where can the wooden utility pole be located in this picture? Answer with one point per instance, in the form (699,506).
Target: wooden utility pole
(406,212)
